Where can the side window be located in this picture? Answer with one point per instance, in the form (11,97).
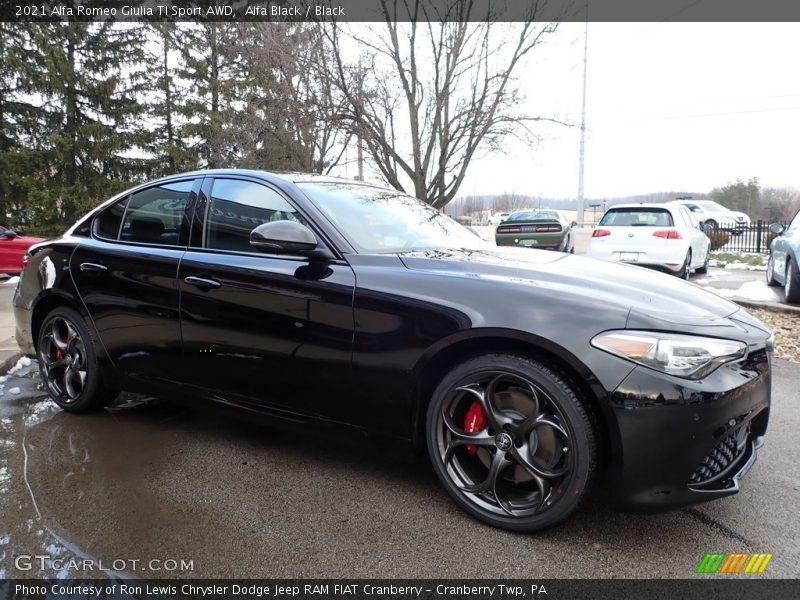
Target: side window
(795,224)
(237,207)
(687,218)
(154,215)
(106,224)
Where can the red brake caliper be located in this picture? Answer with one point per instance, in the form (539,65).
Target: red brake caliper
(474,420)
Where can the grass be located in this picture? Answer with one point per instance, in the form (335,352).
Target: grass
(721,259)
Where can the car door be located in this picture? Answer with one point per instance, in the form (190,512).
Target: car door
(262,328)
(126,275)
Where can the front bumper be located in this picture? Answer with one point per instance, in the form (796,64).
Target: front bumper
(680,442)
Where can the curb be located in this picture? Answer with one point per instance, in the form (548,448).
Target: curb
(8,359)
(772,306)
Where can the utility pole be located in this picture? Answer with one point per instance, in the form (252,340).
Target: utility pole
(581,152)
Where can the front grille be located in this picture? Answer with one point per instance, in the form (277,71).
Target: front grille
(722,458)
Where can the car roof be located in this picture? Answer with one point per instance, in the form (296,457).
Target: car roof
(290,176)
(663,205)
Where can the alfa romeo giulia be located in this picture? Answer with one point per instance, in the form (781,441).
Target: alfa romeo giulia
(525,375)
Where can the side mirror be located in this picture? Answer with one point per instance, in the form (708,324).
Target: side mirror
(284,237)
(9,233)
(776,228)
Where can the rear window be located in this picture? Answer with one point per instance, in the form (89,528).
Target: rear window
(637,217)
(534,214)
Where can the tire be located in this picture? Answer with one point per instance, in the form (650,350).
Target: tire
(686,269)
(68,363)
(771,281)
(710,225)
(523,476)
(791,285)
(704,269)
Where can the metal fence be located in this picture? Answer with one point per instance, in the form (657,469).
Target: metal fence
(755,237)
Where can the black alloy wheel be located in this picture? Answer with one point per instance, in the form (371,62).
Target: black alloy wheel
(68,364)
(511,442)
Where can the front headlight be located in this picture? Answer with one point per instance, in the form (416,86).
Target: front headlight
(686,356)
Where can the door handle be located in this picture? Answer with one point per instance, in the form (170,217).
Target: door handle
(92,267)
(202,282)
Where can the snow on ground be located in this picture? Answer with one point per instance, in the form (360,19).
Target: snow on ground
(11,280)
(23,362)
(756,291)
(736,265)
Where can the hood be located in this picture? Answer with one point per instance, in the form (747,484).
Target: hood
(559,276)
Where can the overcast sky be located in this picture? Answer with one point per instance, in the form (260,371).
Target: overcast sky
(670,106)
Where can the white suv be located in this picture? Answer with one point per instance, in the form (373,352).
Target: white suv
(715,216)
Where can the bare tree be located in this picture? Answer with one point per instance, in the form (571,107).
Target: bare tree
(430,94)
(779,204)
(283,112)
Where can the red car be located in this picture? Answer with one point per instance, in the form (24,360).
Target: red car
(13,248)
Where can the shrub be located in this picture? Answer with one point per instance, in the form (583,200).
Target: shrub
(718,238)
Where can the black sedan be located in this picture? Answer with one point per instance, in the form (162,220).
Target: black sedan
(526,375)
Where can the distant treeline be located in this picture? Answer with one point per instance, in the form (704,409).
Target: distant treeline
(768,204)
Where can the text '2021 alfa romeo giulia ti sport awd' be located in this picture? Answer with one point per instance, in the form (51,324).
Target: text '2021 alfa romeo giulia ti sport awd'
(527,375)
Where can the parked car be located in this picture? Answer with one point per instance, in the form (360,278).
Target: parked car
(544,229)
(715,216)
(13,248)
(783,266)
(524,374)
(498,218)
(658,236)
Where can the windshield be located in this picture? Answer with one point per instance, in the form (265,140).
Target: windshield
(637,217)
(533,214)
(376,220)
(713,207)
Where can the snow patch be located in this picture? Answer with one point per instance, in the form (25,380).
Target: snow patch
(11,280)
(23,362)
(14,390)
(756,291)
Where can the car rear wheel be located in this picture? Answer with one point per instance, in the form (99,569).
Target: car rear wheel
(791,286)
(771,272)
(686,269)
(68,363)
(511,441)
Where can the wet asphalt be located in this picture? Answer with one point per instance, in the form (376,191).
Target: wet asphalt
(149,480)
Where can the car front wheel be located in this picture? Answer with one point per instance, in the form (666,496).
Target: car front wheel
(68,363)
(791,286)
(511,441)
(771,272)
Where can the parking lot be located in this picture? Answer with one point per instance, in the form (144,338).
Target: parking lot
(152,481)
